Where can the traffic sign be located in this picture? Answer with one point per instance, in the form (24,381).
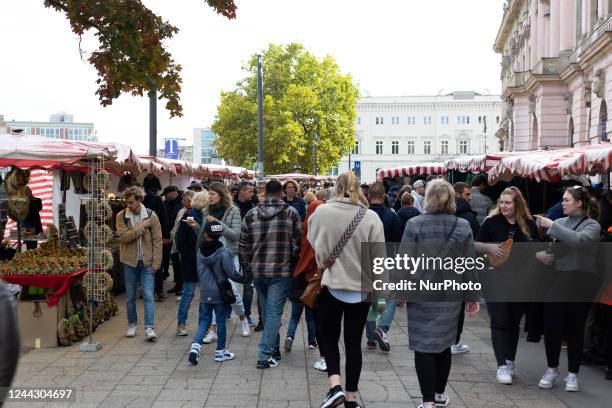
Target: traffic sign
(171,150)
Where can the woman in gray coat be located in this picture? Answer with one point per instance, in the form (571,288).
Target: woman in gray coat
(432,326)
(223,210)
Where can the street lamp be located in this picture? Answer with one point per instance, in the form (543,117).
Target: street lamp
(484,121)
(316,139)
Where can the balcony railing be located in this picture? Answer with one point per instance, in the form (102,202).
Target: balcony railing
(601,30)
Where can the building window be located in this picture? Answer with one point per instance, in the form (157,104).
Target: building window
(444,120)
(379,120)
(427,147)
(411,120)
(379,147)
(355,149)
(359,120)
(463,147)
(395,120)
(395,147)
(501,145)
(427,120)
(467,120)
(479,120)
(444,147)
(497,119)
(410,147)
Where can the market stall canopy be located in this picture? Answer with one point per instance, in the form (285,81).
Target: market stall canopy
(300,177)
(476,164)
(412,170)
(26,151)
(29,151)
(552,165)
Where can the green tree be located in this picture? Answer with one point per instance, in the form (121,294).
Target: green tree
(131,56)
(302,96)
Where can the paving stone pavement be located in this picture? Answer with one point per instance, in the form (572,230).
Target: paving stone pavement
(135,373)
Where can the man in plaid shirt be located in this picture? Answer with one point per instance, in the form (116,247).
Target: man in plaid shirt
(268,252)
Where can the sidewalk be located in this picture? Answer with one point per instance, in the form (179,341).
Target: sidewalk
(135,373)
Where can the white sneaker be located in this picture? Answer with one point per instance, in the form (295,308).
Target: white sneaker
(571,383)
(245,329)
(181,331)
(151,336)
(178,299)
(549,378)
(441,400)
(460,348)
(503,375)
(210,337)
(224,355)
(321,365)
(131,332)
(510,365)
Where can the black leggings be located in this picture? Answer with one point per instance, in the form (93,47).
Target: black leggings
(329,314)
(432,370)
(505,329)
(565,319)
(461,322)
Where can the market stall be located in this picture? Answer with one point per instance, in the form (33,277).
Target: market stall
(301,177)
(412,170)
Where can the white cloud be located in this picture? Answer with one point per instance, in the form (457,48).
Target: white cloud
(390,47)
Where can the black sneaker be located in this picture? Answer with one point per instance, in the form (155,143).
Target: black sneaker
(259,326)
(334,398)
(381,339)
(264,364)
(276,355)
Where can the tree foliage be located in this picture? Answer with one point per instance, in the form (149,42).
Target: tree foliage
(302,96)
(131,57)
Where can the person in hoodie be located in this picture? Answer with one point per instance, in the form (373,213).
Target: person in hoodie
(393,233)
(407,211)
(268,247)
(215,263)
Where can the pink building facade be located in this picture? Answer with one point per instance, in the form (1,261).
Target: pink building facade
(556,73)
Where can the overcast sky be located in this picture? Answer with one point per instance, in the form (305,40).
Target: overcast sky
(390,47)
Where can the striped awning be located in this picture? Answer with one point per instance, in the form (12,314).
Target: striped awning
(412,170)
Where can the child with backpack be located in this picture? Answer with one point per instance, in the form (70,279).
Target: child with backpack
(215,267)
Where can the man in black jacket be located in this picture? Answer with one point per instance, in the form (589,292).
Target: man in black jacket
(154,203)
(393,233)
(173,203)
(463,198)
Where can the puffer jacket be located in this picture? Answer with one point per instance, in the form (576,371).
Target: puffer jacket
(215,262)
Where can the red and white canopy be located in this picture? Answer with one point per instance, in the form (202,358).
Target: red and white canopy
(412,170)
(475,164)
(551,165)
(300,177)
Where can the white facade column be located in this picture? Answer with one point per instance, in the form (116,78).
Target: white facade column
(540,41)
(554,30)
(567,22)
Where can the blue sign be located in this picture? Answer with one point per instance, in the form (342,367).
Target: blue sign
(171,150)
(358,169)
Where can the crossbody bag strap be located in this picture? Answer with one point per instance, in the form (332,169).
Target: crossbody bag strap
(581,221)
(346,236)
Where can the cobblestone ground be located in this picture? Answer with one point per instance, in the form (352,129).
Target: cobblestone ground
(135,373)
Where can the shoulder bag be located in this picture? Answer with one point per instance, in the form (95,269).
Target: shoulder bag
(311,293)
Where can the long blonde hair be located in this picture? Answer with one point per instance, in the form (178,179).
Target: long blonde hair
(520,208)
(347,186)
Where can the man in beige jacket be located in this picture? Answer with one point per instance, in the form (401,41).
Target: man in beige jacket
(141,255)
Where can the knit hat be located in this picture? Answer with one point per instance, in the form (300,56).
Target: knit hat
(213,229)
(418,183)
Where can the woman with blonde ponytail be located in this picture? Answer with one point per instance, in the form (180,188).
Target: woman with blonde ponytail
(342,295)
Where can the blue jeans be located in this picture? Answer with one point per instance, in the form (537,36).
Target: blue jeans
(147,282)
(186,298)
(273,293)
(385,320)
(206,311)
(296,313)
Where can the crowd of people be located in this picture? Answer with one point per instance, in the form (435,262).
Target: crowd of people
(277,238)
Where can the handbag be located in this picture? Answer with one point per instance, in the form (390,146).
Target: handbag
(311,293)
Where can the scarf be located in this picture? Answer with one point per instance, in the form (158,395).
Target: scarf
(217,211)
